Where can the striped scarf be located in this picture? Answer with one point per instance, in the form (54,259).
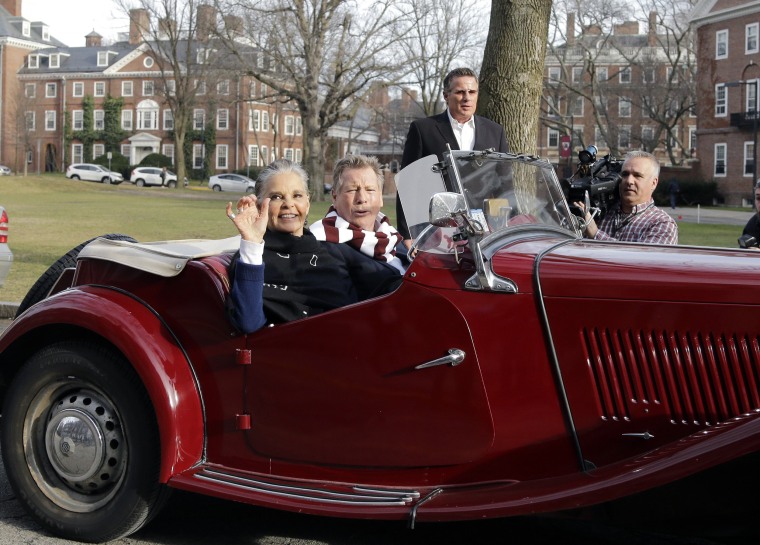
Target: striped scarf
(379,244)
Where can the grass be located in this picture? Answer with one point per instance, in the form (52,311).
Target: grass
(49,215)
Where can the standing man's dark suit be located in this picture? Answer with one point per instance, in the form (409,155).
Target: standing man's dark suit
(430,135)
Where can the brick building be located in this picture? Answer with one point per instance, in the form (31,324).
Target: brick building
(728,54)
(614,90)
(60,100)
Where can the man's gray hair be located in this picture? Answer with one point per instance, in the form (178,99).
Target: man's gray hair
(457,73)
(645,155)
(280,166)
(350,162)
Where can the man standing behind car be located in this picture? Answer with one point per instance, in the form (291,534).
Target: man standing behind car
(752,229)
(635,218)
(458,127)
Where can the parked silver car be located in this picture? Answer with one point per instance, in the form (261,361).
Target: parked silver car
(6,256)
(93,173)
(147,176)
(231,182)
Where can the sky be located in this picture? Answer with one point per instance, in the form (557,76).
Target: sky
(71,20)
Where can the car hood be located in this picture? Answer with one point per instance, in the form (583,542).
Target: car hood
(613,270)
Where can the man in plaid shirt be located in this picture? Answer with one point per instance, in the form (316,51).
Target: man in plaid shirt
(635,218)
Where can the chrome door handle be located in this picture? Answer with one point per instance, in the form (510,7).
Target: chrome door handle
(455,357)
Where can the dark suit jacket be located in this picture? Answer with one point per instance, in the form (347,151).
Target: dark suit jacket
(430,135)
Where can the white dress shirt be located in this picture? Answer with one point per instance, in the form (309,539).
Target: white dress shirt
(464,132)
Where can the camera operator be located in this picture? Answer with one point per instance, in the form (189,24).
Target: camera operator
(635,218)
(751,234)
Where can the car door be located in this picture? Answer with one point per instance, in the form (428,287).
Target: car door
(345,387)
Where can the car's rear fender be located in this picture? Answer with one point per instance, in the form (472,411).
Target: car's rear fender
(112,317)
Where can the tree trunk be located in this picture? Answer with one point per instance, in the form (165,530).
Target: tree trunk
(511,78)
(313,151)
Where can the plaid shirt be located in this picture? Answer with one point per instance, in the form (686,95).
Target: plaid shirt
(646,223)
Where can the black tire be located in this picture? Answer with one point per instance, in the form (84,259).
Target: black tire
(44,283)
(172,184)
(216,188)
(74,177)
(249,190)
(140,182)
(80,443)
(106,180)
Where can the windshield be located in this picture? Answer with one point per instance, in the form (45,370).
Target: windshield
(501,191)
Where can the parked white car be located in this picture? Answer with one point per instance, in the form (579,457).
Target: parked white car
(5,171)
(231,182)
(147,176)
(6,256)
(93,173)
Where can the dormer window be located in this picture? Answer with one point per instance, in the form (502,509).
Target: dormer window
(102,58)
(46,33)
(55,60)
(34,61)
(26,28)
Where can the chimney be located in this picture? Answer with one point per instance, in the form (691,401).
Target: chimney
(570,38)
(233,25)
(629,28)
(593,30)
(12,6)
(652,35)
(93,39)
(167,28)
(205,22)
(139,25)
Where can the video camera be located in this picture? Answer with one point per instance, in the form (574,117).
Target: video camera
(600,179)
(748,241)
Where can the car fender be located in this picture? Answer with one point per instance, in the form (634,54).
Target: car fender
(142,337)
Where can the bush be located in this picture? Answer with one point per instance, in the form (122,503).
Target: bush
(119,163)
(157,160)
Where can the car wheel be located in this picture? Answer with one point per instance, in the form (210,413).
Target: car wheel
(216,188)
(80,443)
(44,283)
(74,177)
(249,190)
(172,184)
(140,182)
(106,180)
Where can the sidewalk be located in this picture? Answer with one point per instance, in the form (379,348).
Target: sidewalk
(8,310)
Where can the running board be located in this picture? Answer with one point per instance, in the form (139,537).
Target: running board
(355,495)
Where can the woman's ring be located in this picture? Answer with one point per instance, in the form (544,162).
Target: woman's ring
(231,216)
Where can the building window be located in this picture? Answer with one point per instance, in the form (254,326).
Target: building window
(692,140)
(223,87)
(30,120)
(76,153)
(577,137)
(148,62)
(147,115)
(577,107)
(552,138)
(721,44)
(577,74)
(49,120)
(126,120)
(602,74)
(624,137)
(26,28)
(99,89)
(599,139)
(55,61)
(77,120)
(99,120)
(264,157)
(102,58)
(720,160)
(30,90)
(555,74)
(624,107)
(168,120)
(148,88)
(625,75)
(750,40)
(720,100)
(221,156)
(126,149)
(265,121)
(299,127)
(222,119)
(98,150)
(253,156)
(197,156)
(647,136)
(199,119)
(290,125)
(200,87)
(751,104)
(51,90)
(127,89)
(289,154)
(77,89)
(672,74)
(34,61)
(168,150)
(648,75)
(254,121)
(749,158)
(298,155)
(171,87)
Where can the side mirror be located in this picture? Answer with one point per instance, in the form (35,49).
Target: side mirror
(444,207)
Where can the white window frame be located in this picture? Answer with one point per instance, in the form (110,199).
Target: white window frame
(577,74)
(264,121)
(168,120)
(30,120)
(147,119)
(30,90)
(171,87)
(77,120)
(602,74)
(148,88)
(127,121)
(55,61)
(222,119)
(222,156)
(199,119)
(721,151)
(168,151)
(692,139)
(751,38)
(299,126)
(288,154)
(99,88)
(77,153)
(599,140)
(254,120)
(127,88)
(299,155)
(50,120)
(98,120)
(264,154)
(126,149)
(554,74)
(624,76)
(648,75)
(51,90)
(33,62)
(748,159)
(647,129)
(721,44)
(578,100)
(77,89)
(253,155)
(26,28)
(223,87)
(625,107)
(102,58)
(290,125)
(98,150)
(552,138)
(624,130)
(197,156)
(721,100)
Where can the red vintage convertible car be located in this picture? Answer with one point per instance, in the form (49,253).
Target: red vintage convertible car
(517,369)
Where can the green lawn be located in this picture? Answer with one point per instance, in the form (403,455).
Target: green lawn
(49,215)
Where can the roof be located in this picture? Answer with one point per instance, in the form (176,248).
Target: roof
(12,26)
